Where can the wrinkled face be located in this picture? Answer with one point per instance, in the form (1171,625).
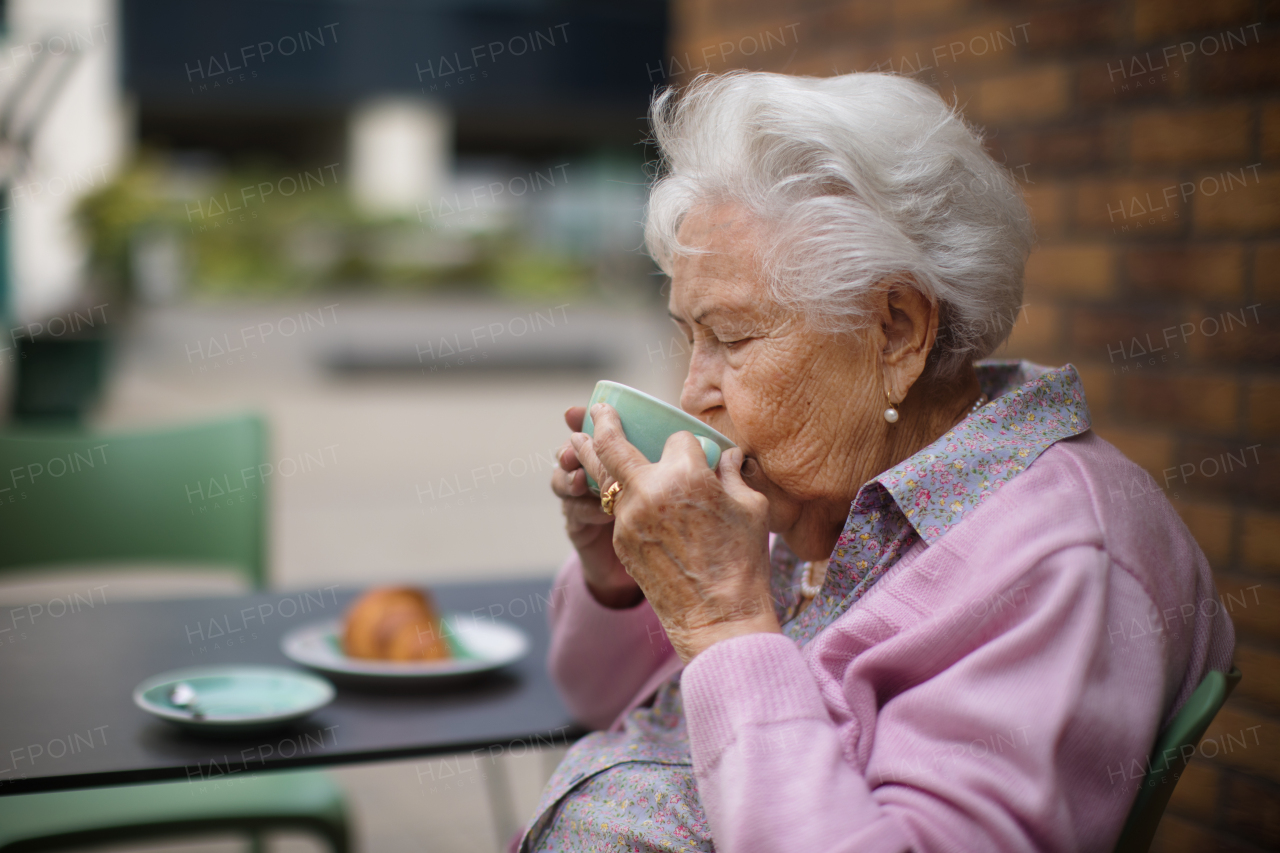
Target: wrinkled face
(805,405)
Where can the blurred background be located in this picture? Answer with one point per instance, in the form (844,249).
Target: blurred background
(409,234)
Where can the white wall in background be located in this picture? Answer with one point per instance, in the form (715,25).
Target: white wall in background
(400,153)
(81,143)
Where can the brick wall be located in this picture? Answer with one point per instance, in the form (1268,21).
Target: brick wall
(1146,135)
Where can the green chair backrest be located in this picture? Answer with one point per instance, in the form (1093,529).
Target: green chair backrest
(1175,745)
(194,494)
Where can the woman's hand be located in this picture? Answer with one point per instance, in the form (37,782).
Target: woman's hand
(590,530)
(696,540)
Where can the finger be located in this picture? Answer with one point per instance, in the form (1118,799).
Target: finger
(730,470)
(581,512)
(683,445)
(574,415)
(569,484)
(686,465)
(569,457)
(585,449)
(619,456)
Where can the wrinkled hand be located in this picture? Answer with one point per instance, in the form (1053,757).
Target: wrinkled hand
(696,540)
(590,530)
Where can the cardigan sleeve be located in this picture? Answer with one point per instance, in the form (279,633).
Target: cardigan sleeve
(600,657)
(1005,739)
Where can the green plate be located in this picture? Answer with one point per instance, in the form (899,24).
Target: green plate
(235,699)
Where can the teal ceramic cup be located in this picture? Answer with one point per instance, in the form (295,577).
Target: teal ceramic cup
(648,423)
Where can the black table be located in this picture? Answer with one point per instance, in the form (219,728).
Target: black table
(67,718)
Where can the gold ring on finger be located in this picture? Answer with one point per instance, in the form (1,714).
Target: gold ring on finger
(610,497)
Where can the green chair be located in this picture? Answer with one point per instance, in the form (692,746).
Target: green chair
(309,802)
(193,495)
(1169,759)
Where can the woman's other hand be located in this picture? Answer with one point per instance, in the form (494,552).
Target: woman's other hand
(590,529)
(696,540)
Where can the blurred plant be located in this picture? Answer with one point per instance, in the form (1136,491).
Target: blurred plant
(239,233)
(112,215)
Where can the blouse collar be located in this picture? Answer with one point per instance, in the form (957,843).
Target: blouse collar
(1031,408)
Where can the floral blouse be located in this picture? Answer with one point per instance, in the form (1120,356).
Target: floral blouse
(634,790)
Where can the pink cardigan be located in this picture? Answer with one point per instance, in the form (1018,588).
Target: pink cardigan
(998,690)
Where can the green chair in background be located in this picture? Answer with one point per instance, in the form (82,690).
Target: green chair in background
(192,495)
(184,497)
(1169,759)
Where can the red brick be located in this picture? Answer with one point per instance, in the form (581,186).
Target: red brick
(1080,25)
(1261,543)
(1073,147)
(1155,18)
(1210,524)
(1261,682)
(1123,335)
(1200,402)
(1264,407)
(1266,271)
(1233,741)
(1266,486)
(894,59)
(712,17)
(1097,381)
(1270,121)
(1036,335)
(1234,70)
(1030,95)
(1258,618)
(1177,834)
(1196,795)
(1073,270)
(1137,207)
(1213,271)
(1047,202)
(833,61)
(1252,811)
(1166,137)
(843,20)
(771,44)
(1222,468)
(1151,449)
(1243,335)
(985,45)
(1130,78)
(1241,201)
(913,12)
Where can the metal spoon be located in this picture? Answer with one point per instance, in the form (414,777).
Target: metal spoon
(183,695)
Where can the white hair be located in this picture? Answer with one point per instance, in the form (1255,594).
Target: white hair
(861,178)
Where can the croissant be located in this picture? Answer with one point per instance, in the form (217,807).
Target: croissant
(395,623)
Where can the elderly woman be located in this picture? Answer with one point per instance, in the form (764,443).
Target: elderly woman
(900,615)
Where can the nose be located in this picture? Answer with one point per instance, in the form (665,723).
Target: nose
(701,392)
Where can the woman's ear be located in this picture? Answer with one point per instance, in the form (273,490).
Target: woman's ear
(909,325)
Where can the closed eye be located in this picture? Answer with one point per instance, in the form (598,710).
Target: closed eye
(683,328)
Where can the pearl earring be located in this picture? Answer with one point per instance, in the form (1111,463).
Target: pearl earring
(890,414)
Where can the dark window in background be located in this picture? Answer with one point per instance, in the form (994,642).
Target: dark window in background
(524,78)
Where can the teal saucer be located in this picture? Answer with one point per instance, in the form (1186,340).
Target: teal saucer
(234,699)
